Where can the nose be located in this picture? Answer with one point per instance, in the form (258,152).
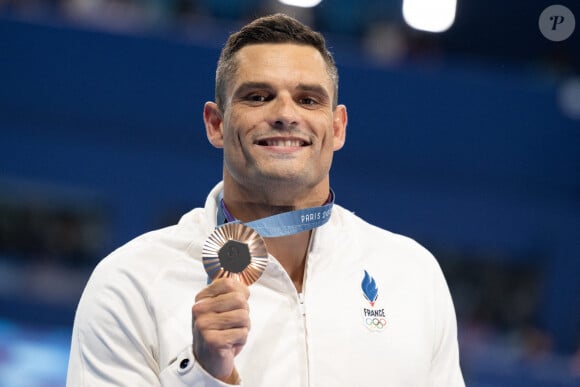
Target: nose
(284,113)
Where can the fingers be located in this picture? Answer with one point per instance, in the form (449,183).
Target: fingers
(222,305)
(223,286)
(231,339)
(221,323)
(231,319)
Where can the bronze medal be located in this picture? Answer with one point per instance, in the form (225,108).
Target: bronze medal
(234,250)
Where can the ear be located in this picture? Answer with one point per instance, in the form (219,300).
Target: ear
(340,119)
(213,120)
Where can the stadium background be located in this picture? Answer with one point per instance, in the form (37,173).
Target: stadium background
(467,141)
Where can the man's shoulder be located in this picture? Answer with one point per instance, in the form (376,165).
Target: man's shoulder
(349,220)
(143,274)
(356,228)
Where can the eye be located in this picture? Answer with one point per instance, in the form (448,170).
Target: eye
(308,101)
(257,98)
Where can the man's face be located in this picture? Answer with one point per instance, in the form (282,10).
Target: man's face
(279,126)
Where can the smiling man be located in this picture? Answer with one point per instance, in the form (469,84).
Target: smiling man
(340,302)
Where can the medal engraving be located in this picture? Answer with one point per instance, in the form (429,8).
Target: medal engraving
(234,256)
(235,251)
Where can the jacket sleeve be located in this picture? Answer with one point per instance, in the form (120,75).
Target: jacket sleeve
(445,367)
(114,341)
(185,371)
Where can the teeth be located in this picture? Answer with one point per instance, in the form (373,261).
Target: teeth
(286,143)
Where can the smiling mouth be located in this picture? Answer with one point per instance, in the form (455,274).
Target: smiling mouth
(291,143)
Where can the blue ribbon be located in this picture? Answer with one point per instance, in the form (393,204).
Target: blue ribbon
(286,223)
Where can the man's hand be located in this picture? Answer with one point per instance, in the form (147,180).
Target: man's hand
(221,322)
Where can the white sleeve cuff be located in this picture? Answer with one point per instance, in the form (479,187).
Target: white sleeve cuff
(186,371)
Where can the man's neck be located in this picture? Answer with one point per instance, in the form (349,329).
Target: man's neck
(248,204)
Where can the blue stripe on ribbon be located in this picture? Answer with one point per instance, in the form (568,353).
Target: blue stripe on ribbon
(286,223)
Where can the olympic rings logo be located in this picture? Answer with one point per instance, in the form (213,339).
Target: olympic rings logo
(375,323)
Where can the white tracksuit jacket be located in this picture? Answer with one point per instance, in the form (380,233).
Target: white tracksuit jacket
(133,322)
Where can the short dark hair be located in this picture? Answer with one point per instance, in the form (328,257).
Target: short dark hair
(277,28)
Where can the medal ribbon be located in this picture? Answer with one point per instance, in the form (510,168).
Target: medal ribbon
(286,223)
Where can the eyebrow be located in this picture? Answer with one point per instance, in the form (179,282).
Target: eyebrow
(247,86)
(313,88)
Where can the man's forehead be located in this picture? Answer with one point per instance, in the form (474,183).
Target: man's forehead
(256,61)
(258,52)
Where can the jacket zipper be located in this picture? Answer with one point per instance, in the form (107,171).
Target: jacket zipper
(302,309)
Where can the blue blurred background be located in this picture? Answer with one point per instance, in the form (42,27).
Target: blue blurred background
(467,140)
